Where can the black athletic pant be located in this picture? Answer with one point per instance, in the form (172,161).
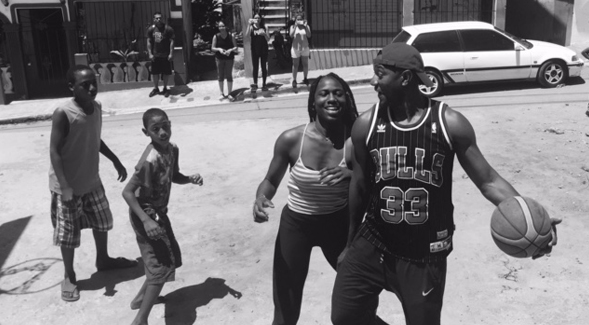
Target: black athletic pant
(297,235)
(366,271)
(257,57)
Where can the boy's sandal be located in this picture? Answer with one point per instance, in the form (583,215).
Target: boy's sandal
(71,293)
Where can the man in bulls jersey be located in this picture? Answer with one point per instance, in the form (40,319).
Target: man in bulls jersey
(404,149)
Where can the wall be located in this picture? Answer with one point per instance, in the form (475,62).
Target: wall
(545,20)
(580,24)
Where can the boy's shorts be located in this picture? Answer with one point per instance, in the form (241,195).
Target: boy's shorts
(161,66)
(162,256)
(90,210)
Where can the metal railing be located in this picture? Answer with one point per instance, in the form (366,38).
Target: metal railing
(437,11)
(107,26)
(354,24)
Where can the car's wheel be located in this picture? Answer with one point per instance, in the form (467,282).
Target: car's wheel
(438,82)
(552,74)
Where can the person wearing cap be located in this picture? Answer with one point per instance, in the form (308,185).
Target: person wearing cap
(404,149)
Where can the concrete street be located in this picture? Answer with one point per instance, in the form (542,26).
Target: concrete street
(536,138)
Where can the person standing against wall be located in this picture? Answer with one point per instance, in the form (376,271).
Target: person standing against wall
(160,47)
(256,29)
(300,50)
(225,48)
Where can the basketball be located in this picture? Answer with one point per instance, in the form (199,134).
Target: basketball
(520,227)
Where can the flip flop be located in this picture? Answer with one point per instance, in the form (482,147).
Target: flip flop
(118,263)
(69,295)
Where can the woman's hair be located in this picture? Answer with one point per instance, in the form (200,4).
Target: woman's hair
(222,22)
(351,111)
(261,22)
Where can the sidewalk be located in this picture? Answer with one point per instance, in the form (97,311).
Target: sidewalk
(195,94)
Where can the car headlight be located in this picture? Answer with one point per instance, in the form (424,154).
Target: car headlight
(575,58)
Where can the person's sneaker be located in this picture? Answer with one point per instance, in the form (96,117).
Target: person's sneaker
(294,84)
(254,87)
(222,97)
(154,92)
(264,88)
(306,81)
(166,92)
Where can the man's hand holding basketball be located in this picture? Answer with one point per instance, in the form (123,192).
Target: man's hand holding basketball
(260,205)
(553,241)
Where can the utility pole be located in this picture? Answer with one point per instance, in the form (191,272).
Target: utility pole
(246,14)
(188,35)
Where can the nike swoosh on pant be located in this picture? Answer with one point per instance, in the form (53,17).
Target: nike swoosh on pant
(425,293)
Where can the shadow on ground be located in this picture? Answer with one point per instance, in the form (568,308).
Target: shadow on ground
(10,232)
(109,279)
(181,90)
(181,304)
(486,87)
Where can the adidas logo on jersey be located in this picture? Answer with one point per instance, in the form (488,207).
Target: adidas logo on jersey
(380,128)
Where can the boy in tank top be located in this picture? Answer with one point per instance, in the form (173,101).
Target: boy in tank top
(78,199)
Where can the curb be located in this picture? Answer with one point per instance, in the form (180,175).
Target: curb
(179,104)
(26,119)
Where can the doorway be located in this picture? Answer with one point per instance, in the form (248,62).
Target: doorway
(44,52)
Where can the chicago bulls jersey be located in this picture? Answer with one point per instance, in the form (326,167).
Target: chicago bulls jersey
(410,211)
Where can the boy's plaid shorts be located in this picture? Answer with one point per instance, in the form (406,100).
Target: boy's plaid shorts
(90,210)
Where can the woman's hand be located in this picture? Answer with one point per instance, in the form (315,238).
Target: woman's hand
(334,175)
(260,205)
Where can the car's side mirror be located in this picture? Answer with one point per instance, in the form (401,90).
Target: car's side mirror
(519,47)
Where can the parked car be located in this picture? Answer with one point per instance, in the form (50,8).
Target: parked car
(472,51)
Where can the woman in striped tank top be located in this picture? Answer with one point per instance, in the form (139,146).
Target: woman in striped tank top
(319,156)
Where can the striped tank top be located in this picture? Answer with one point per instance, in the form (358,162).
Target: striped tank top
(307,195)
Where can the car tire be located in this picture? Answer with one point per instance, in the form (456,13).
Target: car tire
(552,74)
(438,82)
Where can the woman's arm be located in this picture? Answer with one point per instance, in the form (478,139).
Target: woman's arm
(234,48)
(278,165)
(214,47)
(307,30)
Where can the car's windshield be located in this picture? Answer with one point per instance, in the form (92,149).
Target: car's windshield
(521,41)
(402,37)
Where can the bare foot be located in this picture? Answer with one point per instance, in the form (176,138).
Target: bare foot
(136,304)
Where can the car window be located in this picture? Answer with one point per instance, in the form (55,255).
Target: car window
(402,37)
(485,40)
(446,41)
(520,40)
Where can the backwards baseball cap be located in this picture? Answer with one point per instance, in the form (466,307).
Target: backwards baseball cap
(403,56)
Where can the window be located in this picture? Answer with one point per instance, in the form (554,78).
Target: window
(446,41)
(485,40)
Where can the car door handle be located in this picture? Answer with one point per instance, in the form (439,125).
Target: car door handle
(474,57)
